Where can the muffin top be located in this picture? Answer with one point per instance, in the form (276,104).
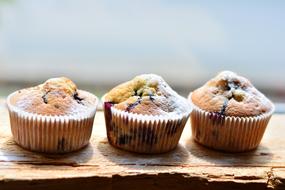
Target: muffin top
(147,94)
(56,96)
(232,95)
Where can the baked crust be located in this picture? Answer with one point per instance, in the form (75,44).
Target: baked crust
(56,96)
(232,95)
(147,94)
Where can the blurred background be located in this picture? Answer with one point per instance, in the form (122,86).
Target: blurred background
(99,44)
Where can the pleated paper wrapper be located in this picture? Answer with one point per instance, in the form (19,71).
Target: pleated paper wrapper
(143,133)
(228,133)
(51,134)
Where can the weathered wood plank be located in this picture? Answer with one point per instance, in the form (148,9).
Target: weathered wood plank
(101,166)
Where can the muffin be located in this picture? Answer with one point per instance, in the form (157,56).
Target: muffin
(229,113)
(145,115)
(53,117)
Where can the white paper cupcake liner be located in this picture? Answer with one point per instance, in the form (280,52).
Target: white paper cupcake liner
(228,133)
(51,134)
(143,133)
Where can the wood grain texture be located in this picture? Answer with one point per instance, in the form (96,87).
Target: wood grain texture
(100,166)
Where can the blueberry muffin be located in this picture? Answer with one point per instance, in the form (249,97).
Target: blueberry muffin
(229,113)
(145,115)
(52,117)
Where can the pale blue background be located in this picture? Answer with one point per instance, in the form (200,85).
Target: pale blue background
(186,42)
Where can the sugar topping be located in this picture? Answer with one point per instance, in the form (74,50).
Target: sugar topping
(56,96)
(231,94)
(147,94)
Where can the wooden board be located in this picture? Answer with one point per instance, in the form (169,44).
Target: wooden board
(100,166)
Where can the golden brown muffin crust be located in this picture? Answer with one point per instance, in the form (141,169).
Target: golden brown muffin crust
(57,96)
(232,95)
(147,94)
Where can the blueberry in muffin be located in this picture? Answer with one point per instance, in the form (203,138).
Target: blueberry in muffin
(53,117)
(231,109)
(145,115)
